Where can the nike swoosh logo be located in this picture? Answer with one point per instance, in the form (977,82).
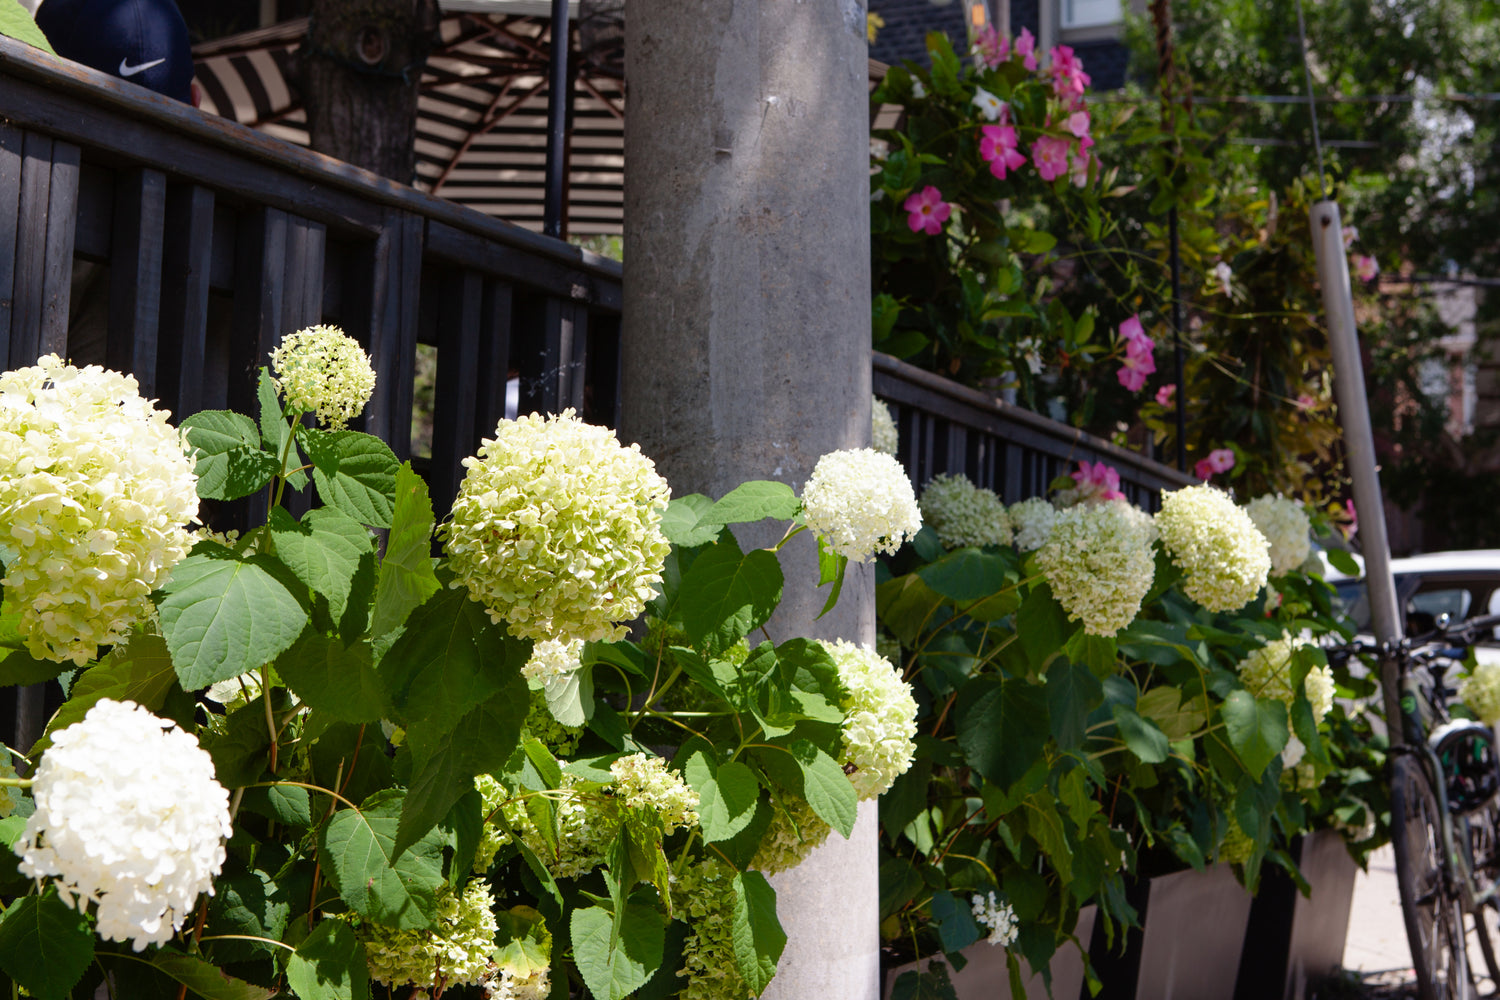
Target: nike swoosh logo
(127,70)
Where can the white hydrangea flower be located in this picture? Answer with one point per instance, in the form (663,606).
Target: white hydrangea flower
(1032,518)
(552,660)
(884,437)
(321,370)
(962,514)
(1224,558)
(880,718)
(586,825)
(454,952)
(96,492)
(644,780)
(1481,692)
(1267,673)
(860,503)
(504,984)
(494,834)
(997,916)
(1287,528)
(1099,563)
(791,836)
(557,529)
(128,817)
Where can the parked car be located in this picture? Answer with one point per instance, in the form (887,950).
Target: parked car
(1458,584)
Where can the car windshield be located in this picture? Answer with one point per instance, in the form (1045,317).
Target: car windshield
(1353,599)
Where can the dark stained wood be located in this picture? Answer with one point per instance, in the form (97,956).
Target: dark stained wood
(260,263)
(96,212)
(11,142)
(494,358)
(393,296)
(57,271)
(135,270)
(302,296)
(186,264)
(31,250)
(601,380)
(458,369)
(517,265)
(553,355)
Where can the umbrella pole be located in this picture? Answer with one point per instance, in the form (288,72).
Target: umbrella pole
(557,120)
(1359,448)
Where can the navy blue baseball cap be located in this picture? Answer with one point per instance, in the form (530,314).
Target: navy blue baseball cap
(143,41)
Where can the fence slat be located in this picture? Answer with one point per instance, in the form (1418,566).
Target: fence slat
(186,261)
(135,275)
(456,389)
(11,142)
(62,224)
(258,295)
(494,358)
(31,250)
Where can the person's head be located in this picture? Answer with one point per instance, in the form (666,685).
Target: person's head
(143,41)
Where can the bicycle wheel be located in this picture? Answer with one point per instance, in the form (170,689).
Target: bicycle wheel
(1432,911)
(1484,861)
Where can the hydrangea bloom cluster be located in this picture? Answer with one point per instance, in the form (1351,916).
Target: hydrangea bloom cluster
(1480,691)
(1286,526)
(129,817)
(1267,673)
(557,529)
(644,780)
(997,916)
(505,984)
(1223,557)
(703,896)
(880,718)
(586,825)
(1032,518)
(860,502)
(552,660)
(321,370)
(96,491)
(493,835)
(962,514)
(883,434)
(457,947)
(791,836)
(1098,561)
(540,724)
(1237,846)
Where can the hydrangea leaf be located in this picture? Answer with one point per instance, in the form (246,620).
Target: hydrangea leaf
(932,983)
(19,667)
(231,463)
(826,787)
(207,981)
(290,805)
(248,903)
(1144,737)
(140,671)
(1002,727)
(755,501)
(45,945)
(1045,824)
(18,24)
(727,795)
(1306,728)
(1257,729)
(406,575)
(758,936)
(1072,693)
(322,550)
(335,679)
(615,967)
(1042,626)
(967,575)
(726,596)
(274,432)
(329,965)
(570,698)
(354,472)
(683,522)
(358,849)
(955,919)
(224,615)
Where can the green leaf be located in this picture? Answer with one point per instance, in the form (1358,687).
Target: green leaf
(329,965)
(406,578)
(230,461)
(140,671)
(1257,729)
(354,472)
(45,945)
(1342,561)
(207,981)
(337,680)
(683,521)
(570,698)
(726,795)
(758,936)
(1002,727)
(19,25)
(1046,826)
(825,787)
(1073,692)
(957,928)
(966,575)
(322,550)
(19,667)
(1142,736)
(290,805)
(224,615)
(357,848)
(1042,626)
(726,596)
(1306,728)
(240,750)
(1032,240)
(831,569)
(755,501)
(249,903)
(615,967)
(275,430)
(1164,706)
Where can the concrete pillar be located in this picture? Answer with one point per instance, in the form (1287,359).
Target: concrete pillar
(746,344)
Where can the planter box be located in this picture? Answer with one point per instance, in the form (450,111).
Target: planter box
(986,977)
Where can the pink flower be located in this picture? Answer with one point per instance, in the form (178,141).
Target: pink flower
(1306,401)
(1136,368)
(1026,49)
(998,147)
(928,211)
(1165,394)
(1351,234)
(1068,77)
(1078,124)
(1050,156)
(1352,528)
(1098,480)
(1218,460)
(991,48)
(1366,268)
(1134,335)
(1079,171)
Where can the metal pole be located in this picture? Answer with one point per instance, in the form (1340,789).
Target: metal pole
(557,120)
(1359,446)
(1174,251)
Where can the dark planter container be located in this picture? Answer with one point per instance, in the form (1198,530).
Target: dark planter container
(986,976)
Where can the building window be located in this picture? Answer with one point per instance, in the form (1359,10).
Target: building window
(1089,13)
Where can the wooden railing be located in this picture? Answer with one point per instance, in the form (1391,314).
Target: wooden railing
(947,427)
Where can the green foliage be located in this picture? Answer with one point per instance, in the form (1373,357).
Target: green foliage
(45,945)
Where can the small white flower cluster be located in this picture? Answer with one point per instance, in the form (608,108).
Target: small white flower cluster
(504,984)
(1480,691)
(552,660)
(1287,528)
(494,834)
(1267,673)
(880,718)
(962,514)
(321,370)
(644,780)
(586,825)
(997,916)
(557,529)
(130,817)
(884,437)
(455,951)
(96,491)
(1099,563)
(1222,554)
(1032,518)
(860,502)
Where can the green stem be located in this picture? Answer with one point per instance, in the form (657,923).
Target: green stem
(265,695)
(15,782)
(286,449)
(247,937)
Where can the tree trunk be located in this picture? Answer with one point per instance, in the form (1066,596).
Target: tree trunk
(360,70)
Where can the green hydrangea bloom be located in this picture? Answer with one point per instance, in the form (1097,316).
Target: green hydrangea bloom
(321,370)
(457,947)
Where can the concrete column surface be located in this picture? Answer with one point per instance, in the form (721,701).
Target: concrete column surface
(746,343)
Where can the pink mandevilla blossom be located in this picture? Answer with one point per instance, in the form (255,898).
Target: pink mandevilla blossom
(1098,480)
(998,147)
(1306,401)
(1366,268)
(1068,78)
(928,211)
(1080,167)
(1136,368)
(1026,49)
(1078,124)
(1218,460)
(1050,156)
(1165,395)
(991,48)
(1352,528)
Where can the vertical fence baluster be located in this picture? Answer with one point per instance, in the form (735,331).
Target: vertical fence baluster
(186,263)
(135,274)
